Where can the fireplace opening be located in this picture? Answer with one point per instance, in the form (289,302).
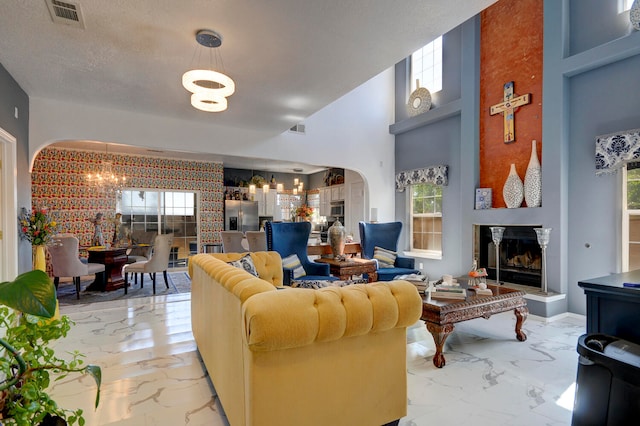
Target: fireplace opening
(520,254)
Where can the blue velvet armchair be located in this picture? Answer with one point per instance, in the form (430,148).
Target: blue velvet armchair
(385,235)
(289,238)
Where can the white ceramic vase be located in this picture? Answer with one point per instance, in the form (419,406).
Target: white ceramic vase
(634,14)
(533,179)
(513,189)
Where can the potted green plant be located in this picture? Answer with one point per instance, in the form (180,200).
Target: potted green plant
(27,363)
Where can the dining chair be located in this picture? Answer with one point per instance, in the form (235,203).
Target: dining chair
(158,262)
(65,261)
(257,240)
(232,242)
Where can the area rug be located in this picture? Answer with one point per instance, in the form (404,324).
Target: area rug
(179,282)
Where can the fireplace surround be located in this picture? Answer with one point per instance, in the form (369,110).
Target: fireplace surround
(520,254)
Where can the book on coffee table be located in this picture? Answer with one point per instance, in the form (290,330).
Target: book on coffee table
(446,293)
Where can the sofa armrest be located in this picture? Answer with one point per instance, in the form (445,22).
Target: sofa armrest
(405,262)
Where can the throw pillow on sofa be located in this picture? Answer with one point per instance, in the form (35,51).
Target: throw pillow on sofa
(386,258)
(245,263)
(293,262)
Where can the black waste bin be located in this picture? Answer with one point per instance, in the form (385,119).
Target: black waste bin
(608,382)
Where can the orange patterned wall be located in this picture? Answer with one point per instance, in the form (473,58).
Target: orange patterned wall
(511,50)
(58,181)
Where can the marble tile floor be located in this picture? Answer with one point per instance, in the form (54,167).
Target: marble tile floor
(152,373)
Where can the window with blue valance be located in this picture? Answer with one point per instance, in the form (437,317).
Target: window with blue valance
(436,175)
(616,150)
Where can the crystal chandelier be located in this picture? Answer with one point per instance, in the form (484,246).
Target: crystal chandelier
(106,181)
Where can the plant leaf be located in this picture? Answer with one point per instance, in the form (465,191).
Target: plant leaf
(32,292)
(96,372)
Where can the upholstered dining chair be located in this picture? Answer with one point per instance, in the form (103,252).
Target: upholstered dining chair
(143,242)
(257,240)
(376,236)
(158,262)
(292,238)
(65,261)
(232,242)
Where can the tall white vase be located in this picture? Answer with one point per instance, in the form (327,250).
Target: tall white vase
(634,14)
(513,189)
(533,179)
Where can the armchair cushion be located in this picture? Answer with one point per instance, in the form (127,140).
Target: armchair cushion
(245,263)
(293,262)
(386,258)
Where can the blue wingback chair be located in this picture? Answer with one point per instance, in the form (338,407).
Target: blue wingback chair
(289,238)
(385,235)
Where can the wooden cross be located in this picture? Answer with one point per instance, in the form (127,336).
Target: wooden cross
(508,108)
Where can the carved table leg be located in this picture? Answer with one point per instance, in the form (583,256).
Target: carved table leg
(521,315)
(439,333)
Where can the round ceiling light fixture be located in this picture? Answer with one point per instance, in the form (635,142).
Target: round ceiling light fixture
(209,88)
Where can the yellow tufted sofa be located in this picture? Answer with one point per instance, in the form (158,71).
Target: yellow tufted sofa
(333,356)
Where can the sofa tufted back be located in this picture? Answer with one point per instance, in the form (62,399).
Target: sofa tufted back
(268,264)
(328,314)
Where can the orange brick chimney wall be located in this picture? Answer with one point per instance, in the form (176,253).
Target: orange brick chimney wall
(511,50)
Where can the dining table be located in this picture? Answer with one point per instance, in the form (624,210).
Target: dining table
(113,259)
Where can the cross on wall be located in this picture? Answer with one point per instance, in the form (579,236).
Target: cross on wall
(507,108)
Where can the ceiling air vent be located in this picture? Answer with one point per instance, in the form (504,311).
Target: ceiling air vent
(298,128)
(65,12)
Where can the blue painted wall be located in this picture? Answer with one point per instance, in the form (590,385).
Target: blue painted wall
(590,88)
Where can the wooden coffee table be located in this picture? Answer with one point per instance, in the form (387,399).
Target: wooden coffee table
(441,315)
(344,269)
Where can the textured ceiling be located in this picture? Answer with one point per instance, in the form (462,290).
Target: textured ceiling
(289,58)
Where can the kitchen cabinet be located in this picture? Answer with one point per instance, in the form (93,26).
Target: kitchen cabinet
(325,201)
(266,201)
(337,193)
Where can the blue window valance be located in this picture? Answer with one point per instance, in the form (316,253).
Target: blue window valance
(437,175)
(615,150)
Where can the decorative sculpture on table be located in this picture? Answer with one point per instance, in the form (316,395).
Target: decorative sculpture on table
(496,237)
(120,234)
(98,238)
(336,234)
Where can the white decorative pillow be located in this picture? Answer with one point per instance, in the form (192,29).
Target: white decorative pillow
(386,258)
(293,262)
(245,263)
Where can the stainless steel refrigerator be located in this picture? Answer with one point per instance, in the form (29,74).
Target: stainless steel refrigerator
(241,215)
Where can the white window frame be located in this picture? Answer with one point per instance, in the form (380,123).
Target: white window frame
(426,65)
(426,254)
(626,215)
(624,5)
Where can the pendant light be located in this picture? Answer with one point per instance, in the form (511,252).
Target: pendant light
(209,88)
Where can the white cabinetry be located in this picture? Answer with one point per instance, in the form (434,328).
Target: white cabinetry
(325,201)
(266,202)
(337,193)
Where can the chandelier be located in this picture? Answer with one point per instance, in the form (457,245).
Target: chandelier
(106,181)
(209,88)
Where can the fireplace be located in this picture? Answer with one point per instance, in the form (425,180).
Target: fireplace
(520,254)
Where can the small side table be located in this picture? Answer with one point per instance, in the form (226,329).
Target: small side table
(344,269)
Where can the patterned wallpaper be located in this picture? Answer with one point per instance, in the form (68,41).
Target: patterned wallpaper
(58,181)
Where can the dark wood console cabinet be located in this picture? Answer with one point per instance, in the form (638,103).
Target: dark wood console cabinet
(612,308)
